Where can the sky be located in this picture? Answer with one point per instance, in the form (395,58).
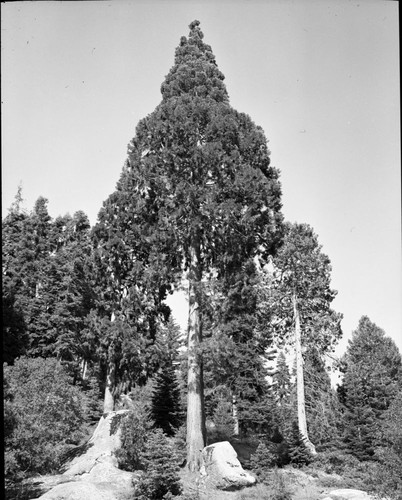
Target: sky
(320,77)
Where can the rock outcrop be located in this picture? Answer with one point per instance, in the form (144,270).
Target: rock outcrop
(94,475)
(222,468)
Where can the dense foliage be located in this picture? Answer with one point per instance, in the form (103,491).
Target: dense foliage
(44,415)
(85,319)
(372,369)
(161,478)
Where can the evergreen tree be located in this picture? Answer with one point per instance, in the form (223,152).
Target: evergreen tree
(24,251)
(69,282)
(297,298)
(298,451)
(388,481)
(130,289)
(47,285)
(236,349)
(322,406)
(372,370)
(281,378)
(161,479)
(166,411)
(283,393)
(45,415)
(196,194)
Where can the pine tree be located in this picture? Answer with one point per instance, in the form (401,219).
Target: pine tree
(166,411)
(282,379)
(161,479)
(47,289)
(299,453)
(197,194)
(69,281)
(130,286)
(15,337)
(322,406)
(236,349)
(372,369)
(298,303)
(283,393)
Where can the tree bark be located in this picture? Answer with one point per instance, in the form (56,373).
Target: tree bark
(236,426)
(195,395)
(301,407)
(84,366)
(108,402)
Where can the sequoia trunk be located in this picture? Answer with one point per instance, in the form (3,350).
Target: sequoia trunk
(108,403)
(195,394)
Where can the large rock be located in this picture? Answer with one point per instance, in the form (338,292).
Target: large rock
(223,469)
(101,447)
(94,474)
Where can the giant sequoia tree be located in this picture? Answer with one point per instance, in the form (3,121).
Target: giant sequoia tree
(197,194)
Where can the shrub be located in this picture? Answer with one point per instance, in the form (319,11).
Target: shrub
(336,462)
(134,428)
(179,443)
(258,492)
(298,453)
(44,415)
(264,458)
(385,478)
(279,488)
(274,488)
(161,479)
(223,421)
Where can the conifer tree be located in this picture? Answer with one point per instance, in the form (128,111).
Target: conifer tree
(47,289)
(282,379)
(166,408)
(322,406)
(283,389)
(299,453)
(166,411)
(161,478)
(297,301)
(15,337)
(236,348)
(372,369)
(197,194)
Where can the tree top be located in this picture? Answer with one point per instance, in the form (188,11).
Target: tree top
(195,72)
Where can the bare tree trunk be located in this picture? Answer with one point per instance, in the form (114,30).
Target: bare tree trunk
(301,407)
(195,395)
(84,367)
(236,427)
(108,403)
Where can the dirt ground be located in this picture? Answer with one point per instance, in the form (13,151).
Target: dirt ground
(298,484)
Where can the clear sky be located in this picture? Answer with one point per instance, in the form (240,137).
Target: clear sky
(320,77)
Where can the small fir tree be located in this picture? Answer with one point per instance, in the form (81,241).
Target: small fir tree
(135,428)
(263,460)
(166,409)
(298,452)
(161,478)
